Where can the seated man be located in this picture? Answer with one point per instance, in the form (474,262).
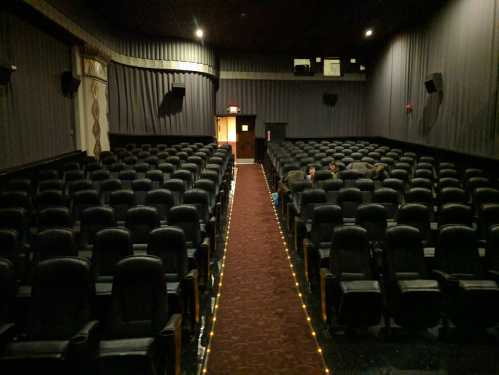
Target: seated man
(374,172)
(292,177)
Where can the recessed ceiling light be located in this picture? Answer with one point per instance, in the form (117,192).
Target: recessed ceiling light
(199,33)
(353,60)
(362,68)
(368,33)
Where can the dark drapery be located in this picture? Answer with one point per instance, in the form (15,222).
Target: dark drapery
(299,104)
(141,102)
(36,120)
(460,42)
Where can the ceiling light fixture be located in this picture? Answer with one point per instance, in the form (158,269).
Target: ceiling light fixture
(368,33)
(199,33)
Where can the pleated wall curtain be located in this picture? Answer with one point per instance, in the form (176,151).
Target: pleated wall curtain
(299,104)
(141,102)
(460,43)
(36,120)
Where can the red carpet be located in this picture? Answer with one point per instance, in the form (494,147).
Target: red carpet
(260,327)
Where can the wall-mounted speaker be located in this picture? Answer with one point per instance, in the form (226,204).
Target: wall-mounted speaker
(5,73)
(178,90)
(329,99)
(69,84)
(434,83)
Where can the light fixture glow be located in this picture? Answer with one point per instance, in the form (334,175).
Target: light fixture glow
(368,33)
(199,33)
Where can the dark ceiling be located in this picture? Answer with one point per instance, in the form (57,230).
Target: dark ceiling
(285,26)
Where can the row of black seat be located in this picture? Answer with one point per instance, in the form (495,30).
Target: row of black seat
(360,283)
(141,332)
(418,246)
(156,209)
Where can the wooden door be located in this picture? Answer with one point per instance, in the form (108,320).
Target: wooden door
(245,130)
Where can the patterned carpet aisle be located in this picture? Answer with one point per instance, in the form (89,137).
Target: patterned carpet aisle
(261,327)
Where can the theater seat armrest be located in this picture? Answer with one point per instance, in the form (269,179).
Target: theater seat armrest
(171,339)
(7,333)
(443,277)
(326,278)
(212,221)
(85,343)
(206,243)
(191,281)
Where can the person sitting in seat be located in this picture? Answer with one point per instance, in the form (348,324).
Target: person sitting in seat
(333,168)
(310,174)
(293,176)
(375,172)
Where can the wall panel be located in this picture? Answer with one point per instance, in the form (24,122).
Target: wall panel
(36,120)
(298,103)
(140,102)
(461,43)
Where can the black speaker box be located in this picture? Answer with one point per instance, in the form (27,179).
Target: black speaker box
(5,73)
(434,83)
(330,99)
(303,70)
(178,90)
(69,83)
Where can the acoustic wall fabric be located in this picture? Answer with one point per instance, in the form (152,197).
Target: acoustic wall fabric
(459,42)
(144,47)
(141,102)
(299,104)
(36,120)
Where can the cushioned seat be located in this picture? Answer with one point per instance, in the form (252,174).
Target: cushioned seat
(126,347)
(59,338)
(141,336)
(365,286)
(473,299)
(414,300)
(478,285)
(350,293)
(410,286)
(35,350)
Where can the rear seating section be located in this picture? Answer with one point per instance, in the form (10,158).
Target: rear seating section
(122,246)
(415,246)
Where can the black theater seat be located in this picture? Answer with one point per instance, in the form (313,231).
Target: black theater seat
(121,201)
(201,201)
(417,215)
(94,219)
(373,218)
(52,243)
(11,249)
(414,299)
(349,199)
(177,187)
(389,198)
(455,213)
(309,199)
(162,200)
(472,296)
(493,252)
(58,217)
(140,221)
(7,296)
(317,245)
(140,188)
(198,244)
(169,244)
(350,293)
(141,335)
(60,337)
(107,187)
